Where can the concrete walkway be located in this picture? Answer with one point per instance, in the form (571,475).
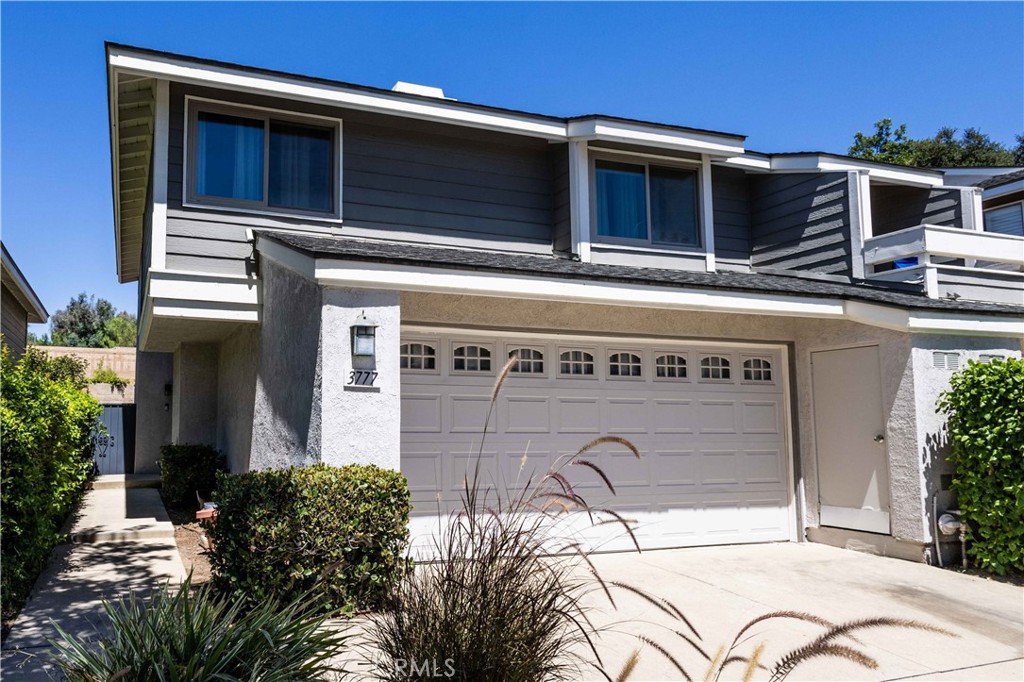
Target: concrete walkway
(122,540)
(720,589)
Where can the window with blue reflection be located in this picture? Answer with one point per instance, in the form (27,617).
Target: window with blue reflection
(229,157)
(674,206)
(621,200)
(300,166)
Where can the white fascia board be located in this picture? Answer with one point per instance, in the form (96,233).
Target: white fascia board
(654,136)
(25,294)
(359,274)
(751,161)
(921,322)
(926,322)
(195,286)
(124,60)
(291,259)
(820,162)
(1001,190)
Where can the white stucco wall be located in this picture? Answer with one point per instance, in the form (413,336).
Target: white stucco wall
(360,425)
(236,395)
(933,440)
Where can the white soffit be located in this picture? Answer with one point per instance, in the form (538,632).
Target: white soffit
(824,162)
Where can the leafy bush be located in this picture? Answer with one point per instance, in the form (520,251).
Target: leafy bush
(175,635)
(986,427)
(186,470)
(105,375)
(280,531)
(47,424)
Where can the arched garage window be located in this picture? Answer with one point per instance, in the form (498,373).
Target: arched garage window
(417,356)
(670,367)
(531,361)
(471,359)
(715,367)
(576,363)
(757,369)
(625,365)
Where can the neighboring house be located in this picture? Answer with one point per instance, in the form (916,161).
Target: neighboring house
(337,272)
(19,307)
(1003,203)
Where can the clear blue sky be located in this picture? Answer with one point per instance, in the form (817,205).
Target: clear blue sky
(794,77)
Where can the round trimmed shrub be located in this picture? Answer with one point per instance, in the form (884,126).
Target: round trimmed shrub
(984,407)
(279,532)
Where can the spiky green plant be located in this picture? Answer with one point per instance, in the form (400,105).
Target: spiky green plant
(183,635)
(505,598)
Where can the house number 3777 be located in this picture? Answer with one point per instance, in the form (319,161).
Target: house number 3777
(361,377)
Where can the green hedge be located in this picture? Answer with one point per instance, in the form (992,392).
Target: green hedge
(186,470)
(986,427)
(279,532)
(47,425)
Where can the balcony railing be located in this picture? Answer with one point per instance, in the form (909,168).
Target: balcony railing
(950,262)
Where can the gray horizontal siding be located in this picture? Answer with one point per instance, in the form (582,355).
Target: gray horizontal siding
(562,239)
(731,202)
(895,208)
(14,325)
(801,221)
(401,178)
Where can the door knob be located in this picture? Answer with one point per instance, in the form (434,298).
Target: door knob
(879,438)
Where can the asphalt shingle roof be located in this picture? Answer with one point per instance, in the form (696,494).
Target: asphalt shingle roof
(1003,179)
(550,266)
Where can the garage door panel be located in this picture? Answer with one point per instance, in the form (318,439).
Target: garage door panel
(717,416)
(624,416)
(527,414)
(421,413)
(672,416)
(714,456)
(578,415)
(466,413)
(760,416)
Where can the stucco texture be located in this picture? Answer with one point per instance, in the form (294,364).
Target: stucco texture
(153,373)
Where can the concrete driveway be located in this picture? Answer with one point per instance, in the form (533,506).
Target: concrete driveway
(722,588)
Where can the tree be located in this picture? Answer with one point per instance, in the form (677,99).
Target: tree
(945,150)
(886,145)
(93,323)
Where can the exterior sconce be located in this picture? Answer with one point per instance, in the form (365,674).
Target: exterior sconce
(364,344)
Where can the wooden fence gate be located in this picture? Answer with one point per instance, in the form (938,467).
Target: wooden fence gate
(115,449)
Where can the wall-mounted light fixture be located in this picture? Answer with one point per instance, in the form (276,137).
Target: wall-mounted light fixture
(364,343)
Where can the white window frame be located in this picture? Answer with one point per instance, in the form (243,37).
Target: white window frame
(471,372)
(609,352)
(193,105)
(586,349)
(732,367)
(658,353)
(433,343)
(984,219)
(647,160)
(744,369)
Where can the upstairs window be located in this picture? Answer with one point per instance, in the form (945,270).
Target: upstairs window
(254,161)
(644,203)
(1006,219)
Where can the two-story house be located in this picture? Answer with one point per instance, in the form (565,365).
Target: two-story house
(336,272)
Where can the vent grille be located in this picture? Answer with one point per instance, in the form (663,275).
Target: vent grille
(950,361)
(985,359)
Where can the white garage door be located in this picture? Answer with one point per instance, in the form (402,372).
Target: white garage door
(709,420)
